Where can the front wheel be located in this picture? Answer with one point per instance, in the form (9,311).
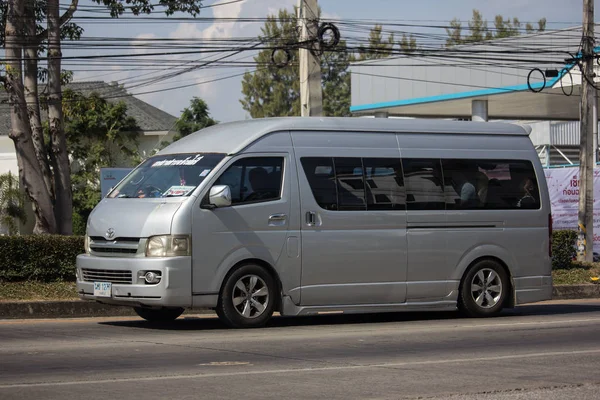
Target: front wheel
(158,315)
(484,289)
(247,299)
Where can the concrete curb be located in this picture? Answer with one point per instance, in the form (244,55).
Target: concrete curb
(571,292)
(68,309)
(82,309)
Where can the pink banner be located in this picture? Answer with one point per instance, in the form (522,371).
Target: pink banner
(563,185)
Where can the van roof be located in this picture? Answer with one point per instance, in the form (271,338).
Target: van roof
(233,137)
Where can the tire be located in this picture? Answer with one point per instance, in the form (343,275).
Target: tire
(158,315)
(480,295)
(247,299)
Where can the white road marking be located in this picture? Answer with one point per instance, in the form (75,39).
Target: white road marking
(302,370)
(223,363)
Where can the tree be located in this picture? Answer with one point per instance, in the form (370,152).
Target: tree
(478,28)
(541,26)
(12,203)
(99,134)
(505,27)
(377,47)
(479,31)
(193,118)
(454,33)
(45,176)
(408,44)
(336,81)
(273,91)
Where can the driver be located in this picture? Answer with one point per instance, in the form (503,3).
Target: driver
(148,191)
(259,180)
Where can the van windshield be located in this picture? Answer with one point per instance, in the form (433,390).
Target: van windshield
(173,175)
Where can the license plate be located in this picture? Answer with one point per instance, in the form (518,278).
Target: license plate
(102,289)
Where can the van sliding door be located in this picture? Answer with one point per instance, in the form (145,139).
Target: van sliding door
(354,220)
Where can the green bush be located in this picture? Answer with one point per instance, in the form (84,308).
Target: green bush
(42,258)
(563,249)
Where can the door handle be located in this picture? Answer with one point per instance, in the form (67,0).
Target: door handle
(277,219)
(311,218)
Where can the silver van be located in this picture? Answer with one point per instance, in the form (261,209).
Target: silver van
(320,215)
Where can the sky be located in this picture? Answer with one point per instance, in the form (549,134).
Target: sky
(222,95)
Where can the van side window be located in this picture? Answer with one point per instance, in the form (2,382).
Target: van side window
(254,179)
(350,184)
(463,184)
(423,181)
(384,184)
(498,184)
(354,184)
(321,178)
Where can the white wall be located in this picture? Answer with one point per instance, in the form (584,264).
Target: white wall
(8,162)
(150,141)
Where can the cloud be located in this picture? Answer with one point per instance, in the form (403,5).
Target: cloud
(222,96)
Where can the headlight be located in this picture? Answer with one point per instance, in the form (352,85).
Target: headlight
(168,246)
(86,244)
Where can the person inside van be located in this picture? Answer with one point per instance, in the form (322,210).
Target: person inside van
(482,186)
(529,197)
(464,181)
(262,188)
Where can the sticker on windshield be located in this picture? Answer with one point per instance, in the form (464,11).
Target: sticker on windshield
(178,191)
(205,172)
(177,162)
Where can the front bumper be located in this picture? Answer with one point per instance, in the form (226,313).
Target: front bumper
(173,290)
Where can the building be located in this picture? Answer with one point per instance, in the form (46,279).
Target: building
(527,78)
(156,125)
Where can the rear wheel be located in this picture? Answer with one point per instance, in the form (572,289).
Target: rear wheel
(484,289)
(159,314)
(248,297)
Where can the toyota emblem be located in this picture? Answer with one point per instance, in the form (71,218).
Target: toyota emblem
(110,233)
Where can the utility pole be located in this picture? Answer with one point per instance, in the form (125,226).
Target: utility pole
(311,96)
(585,237)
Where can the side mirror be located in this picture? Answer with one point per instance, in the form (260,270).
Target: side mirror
(220,196)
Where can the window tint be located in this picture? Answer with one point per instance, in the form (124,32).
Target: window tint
(384,184)
(497,184)
(462,184)
(423,181)
(321,178)
(350,184)
(254,179)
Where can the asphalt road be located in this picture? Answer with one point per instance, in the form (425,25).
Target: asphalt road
(546,351)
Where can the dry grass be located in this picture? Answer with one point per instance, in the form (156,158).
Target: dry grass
(12,291)
(579,273)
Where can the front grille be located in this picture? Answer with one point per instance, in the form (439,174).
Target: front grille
(113,251)
(107,275)
(101,239)
(118,246)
